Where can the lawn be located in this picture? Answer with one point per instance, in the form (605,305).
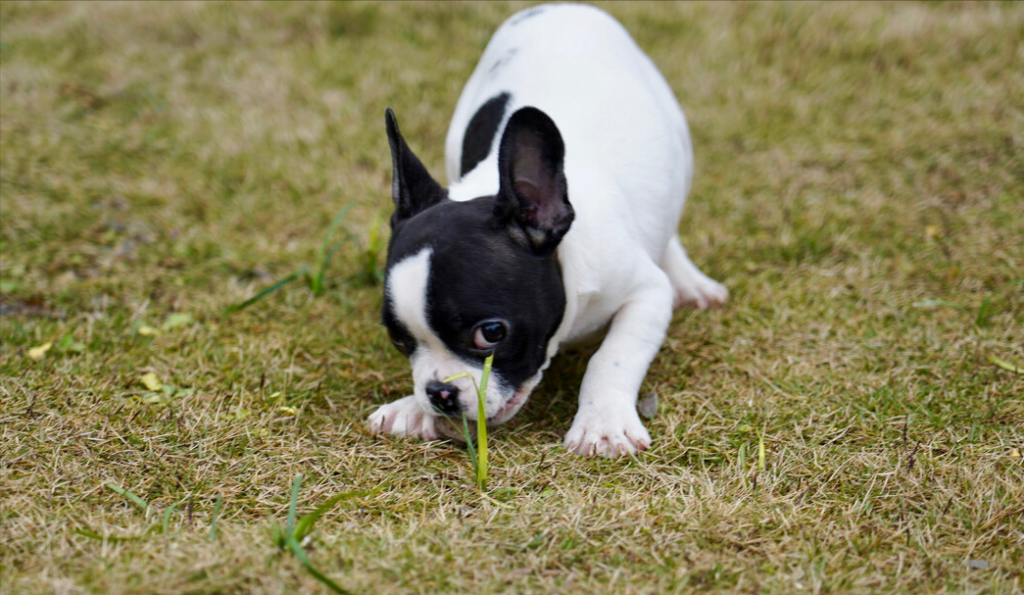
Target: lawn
(852,421)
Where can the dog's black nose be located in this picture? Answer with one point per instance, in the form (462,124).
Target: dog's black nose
(444,397)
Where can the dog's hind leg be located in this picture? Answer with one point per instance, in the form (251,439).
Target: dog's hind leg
(692,287)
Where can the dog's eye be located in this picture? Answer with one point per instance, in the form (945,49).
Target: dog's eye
(488,334)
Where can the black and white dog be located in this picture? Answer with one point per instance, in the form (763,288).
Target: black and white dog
(570,160)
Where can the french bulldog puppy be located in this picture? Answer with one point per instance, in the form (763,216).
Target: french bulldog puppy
(569,160)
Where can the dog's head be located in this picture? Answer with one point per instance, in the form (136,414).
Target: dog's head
(467,279)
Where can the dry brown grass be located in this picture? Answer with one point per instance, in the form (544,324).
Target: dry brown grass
(854,162)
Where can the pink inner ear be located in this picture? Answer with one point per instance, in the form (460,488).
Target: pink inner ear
(537,182)
(528,190)
(541,205)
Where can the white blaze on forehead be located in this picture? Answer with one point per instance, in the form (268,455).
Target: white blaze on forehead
(406,289)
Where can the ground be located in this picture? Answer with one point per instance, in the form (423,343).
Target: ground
(859,188)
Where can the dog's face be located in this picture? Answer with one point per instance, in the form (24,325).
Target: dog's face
(467,279)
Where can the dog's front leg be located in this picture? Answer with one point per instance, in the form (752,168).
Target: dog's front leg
(607,422)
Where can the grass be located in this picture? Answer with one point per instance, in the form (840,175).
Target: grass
(159,163)
(297,532)
(314,282)
(478,455)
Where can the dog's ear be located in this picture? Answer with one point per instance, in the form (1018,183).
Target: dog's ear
(412,187)
(533,199)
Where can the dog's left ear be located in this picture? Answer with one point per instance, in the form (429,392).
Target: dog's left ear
(533,199)
(412,187)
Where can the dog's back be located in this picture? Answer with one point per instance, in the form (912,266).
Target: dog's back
(622,126)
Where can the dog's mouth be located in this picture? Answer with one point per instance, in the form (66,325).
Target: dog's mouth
(448,426)
(509,408)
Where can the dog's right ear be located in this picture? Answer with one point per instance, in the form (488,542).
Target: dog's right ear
(533,198)
(412,187)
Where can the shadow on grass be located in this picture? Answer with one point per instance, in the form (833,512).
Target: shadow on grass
(552,404)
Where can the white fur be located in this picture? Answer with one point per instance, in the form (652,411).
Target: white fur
(629,165)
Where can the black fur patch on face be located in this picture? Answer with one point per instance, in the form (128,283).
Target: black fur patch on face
(480,133)
(400,336)
(478,272)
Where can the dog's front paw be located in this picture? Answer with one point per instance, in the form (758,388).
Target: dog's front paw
(404,417)
(609,434)
(702,293)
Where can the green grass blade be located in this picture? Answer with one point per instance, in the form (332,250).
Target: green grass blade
(213,522)
(301,555)
(982,312)
(474,456)
(325,253)
(89,533)
(241,306)
(1002,363)
(469,443)
(317,284)
(371,272)
(741,463)
(330,231)
(289,528)
(142,504)
(305,525)
(461,375)
(481,425)
(760,452)
(167,518)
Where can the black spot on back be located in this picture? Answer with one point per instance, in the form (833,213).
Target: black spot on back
(479,137)
(532,12)
(502,61)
